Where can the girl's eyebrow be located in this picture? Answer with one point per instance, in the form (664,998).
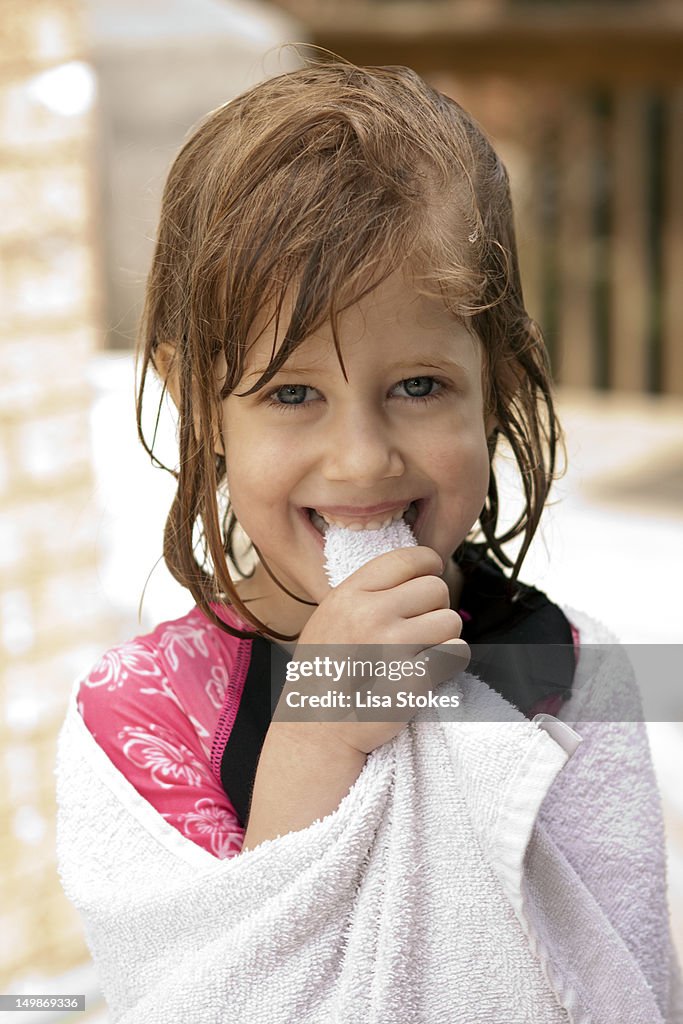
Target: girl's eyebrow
(443,361)
(405,364)
(285,369)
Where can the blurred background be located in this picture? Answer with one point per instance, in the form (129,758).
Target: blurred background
(583,100)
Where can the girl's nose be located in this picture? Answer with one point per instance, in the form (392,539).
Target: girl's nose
(362,450)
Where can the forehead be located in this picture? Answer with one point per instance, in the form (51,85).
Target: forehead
(396,320)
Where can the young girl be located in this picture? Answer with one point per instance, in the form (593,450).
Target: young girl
(334,305)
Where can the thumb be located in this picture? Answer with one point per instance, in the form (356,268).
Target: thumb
(446,660)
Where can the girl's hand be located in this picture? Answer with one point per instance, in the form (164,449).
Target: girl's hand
(398,599)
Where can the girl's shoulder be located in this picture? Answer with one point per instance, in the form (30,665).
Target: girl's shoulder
(191,638)
(188,660)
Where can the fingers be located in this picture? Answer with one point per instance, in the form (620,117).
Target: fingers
(430,629)
(395,567)
(421,595)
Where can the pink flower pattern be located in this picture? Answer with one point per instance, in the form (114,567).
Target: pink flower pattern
(184,639)
(211,824)
(158,752)
(116,666)
(216,685)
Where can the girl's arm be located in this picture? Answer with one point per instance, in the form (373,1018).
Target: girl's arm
(303,774)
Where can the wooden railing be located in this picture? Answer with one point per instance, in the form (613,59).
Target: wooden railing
(600,220)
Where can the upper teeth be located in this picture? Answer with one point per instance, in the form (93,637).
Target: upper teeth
(371,524)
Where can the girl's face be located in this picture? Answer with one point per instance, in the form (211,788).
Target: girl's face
(409,424)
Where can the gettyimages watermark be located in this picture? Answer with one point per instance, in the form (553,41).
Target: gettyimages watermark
(368,682)
(362,683)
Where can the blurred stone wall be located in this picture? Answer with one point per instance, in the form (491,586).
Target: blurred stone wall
(52,621)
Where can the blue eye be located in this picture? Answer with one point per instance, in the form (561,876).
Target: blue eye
(299,390)
(410,381)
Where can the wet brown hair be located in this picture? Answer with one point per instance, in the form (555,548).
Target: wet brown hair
(320,183)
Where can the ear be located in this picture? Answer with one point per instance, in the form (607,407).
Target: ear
(164,363)
(164,360)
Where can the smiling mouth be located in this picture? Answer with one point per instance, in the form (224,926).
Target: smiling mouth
(408,514)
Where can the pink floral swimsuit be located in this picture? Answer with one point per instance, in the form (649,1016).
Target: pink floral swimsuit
(162,707)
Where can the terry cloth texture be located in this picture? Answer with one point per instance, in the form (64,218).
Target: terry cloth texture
(347,550)
(490,871)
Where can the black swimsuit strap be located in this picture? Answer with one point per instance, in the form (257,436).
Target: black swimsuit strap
(536,661)
(254,715)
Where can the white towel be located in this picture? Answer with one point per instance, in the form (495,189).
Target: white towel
(476,872)
(347,550)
